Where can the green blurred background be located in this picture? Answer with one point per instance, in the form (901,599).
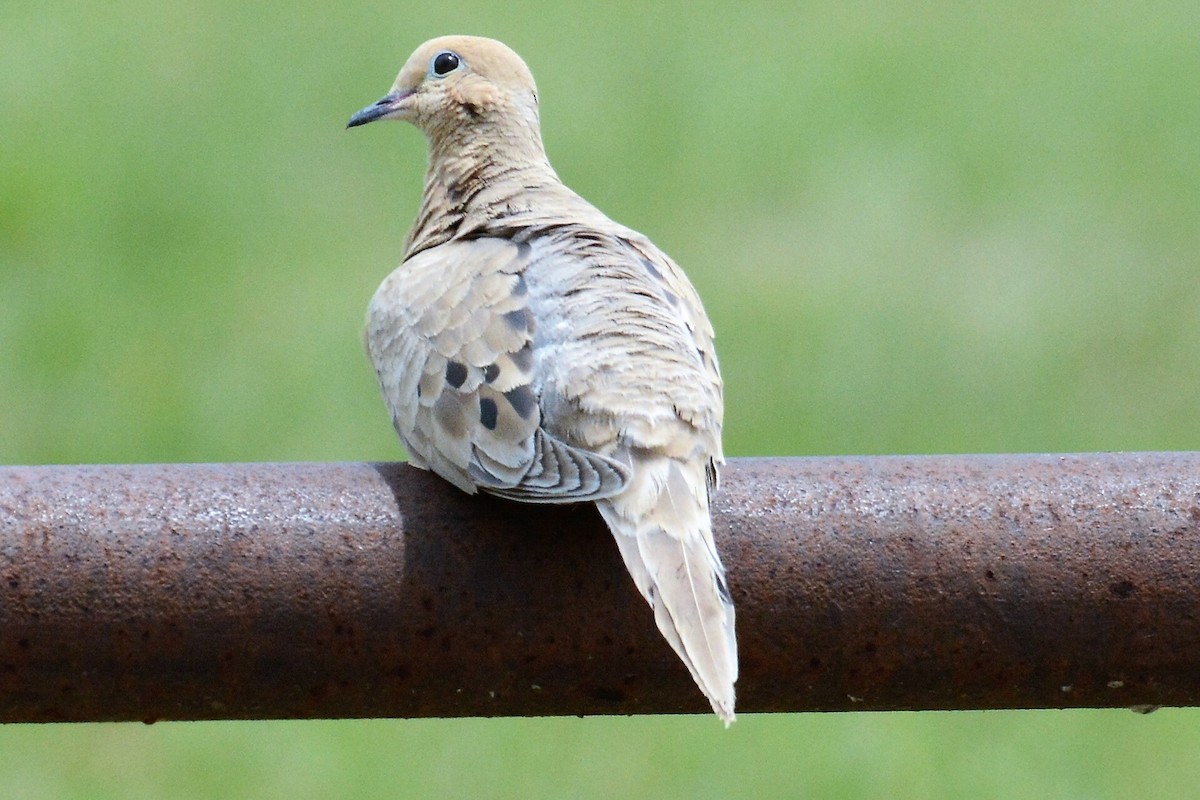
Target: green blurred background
(933,227)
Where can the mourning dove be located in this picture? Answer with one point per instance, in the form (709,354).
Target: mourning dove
(531,347)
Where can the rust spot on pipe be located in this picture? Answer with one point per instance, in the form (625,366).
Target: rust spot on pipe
(356,590)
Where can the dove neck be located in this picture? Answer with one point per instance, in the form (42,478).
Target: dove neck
(463,166)
(479,184)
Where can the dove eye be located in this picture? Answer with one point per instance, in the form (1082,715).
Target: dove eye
(444,63)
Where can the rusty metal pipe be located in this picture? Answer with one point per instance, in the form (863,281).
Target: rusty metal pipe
(240,591)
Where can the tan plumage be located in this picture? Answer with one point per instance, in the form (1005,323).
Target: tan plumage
(531,347)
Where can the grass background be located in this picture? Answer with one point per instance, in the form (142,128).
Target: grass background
(939,227)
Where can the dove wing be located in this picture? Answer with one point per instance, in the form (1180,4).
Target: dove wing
(450,334)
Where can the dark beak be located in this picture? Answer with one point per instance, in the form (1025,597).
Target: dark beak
(383,108)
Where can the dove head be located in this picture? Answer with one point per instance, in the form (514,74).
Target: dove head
(460,84)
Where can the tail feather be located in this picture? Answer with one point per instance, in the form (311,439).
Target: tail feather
(662,527)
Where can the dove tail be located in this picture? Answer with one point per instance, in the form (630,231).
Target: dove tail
(663,530)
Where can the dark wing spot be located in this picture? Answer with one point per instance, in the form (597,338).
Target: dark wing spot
(456,374)
(522,400)
(524,249)
(671,298)
(491,372)
(517,320)
(487,413)
(523,358)
(653,270)
(522,288)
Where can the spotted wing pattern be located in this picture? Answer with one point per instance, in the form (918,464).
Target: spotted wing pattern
(451,336)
